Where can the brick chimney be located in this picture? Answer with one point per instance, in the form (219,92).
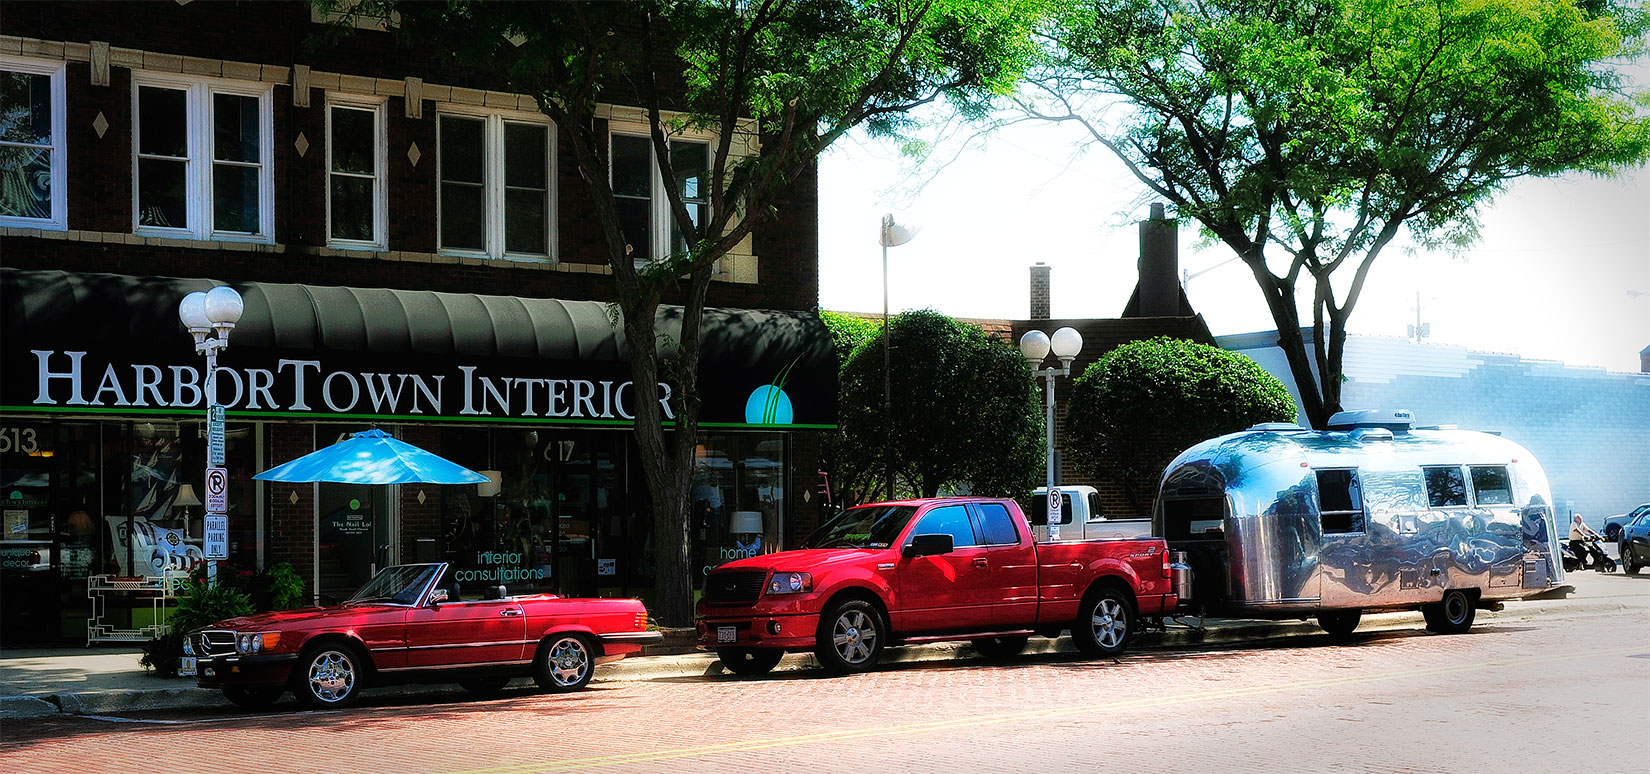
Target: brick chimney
(1039,291)
(1159,289)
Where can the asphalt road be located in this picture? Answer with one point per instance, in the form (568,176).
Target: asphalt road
(1553,693)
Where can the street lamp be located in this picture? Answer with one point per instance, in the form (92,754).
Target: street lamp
(205,313)
(893,235)
(1035,345)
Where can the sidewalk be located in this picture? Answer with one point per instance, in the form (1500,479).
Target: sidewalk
(80,681)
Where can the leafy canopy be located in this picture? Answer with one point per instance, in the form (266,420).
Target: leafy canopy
(1143,403)
(1307,134)
(966,414)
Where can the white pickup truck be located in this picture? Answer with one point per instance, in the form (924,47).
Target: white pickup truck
(1081,517)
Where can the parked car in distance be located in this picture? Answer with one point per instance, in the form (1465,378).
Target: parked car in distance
(1634,544)
(1081,516)
(407,624)
(1614,524)
(928,570)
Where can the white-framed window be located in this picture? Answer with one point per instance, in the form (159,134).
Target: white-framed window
(357,168)
(639,192)
(495,171)
(33,162)
(203,158)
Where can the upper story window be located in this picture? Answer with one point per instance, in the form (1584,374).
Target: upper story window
(495,197)
(32,163)
(203,158)
(638,187)
(357,204)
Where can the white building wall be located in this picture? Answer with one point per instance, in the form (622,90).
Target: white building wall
(1589,428)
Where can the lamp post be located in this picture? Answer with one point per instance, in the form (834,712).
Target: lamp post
(893,235)
(1035,345)
(206,313)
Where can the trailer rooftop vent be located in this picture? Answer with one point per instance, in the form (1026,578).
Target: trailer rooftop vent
(1275,427)
(1396,420)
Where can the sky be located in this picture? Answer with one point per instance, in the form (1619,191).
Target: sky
(1550,278)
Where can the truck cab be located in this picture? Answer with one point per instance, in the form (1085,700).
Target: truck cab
(1082,517)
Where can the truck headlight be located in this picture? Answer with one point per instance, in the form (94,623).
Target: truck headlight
(790,583)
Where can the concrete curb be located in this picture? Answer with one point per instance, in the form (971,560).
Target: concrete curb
(694,664)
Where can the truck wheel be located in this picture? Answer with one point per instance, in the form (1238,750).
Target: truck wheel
(564,663)
(1104,623)
(254,696)
(850,637)
(1454,615)
(1000,648)
(750,661)
(1339,623)
(328,676)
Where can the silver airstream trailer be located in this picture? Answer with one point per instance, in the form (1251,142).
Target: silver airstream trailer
(1280,521)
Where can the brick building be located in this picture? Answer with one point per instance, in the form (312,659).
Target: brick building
(417,252)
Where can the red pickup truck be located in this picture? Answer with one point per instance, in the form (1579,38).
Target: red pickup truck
(913,571)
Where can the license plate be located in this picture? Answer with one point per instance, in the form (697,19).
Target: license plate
(727,634)
(186,666)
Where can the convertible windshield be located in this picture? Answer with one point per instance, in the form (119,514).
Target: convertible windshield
(873,526)
(402,583)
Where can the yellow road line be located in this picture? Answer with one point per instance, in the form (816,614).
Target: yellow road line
(1043,712)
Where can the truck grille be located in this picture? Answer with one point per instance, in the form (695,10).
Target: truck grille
(734,587)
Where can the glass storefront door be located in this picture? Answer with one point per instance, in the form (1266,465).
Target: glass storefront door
(355,538)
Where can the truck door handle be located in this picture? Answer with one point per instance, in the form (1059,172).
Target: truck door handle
(979,561)
(509,611)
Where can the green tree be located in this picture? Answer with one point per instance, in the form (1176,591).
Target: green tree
(1306,134)
(1143,403)
(849,471)
(787,77)
(966,414)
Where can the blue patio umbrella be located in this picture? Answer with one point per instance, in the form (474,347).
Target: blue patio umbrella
(372,457)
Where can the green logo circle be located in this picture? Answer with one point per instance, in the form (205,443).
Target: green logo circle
(354,504)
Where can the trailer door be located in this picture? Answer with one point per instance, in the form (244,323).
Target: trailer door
(1500,538)
(1345,556)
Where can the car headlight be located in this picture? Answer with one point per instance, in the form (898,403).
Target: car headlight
(249,644)
(790,583)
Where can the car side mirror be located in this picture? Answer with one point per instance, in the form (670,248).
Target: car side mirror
(438,596)
(928,545)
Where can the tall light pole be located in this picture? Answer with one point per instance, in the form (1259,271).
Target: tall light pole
(893,235)
(205,313)
(1035,345)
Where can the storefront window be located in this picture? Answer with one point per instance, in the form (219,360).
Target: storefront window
(738,497)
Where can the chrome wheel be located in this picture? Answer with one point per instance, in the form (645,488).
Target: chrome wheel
(331,676)
(564,663)
(854,636)
(1110,623)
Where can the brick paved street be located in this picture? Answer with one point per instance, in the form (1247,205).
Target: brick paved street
(1512,695)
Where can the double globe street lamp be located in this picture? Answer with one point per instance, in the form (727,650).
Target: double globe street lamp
(1035,346)
(206,313)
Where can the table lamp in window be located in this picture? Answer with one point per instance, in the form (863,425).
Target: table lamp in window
(186,499)
(747,529)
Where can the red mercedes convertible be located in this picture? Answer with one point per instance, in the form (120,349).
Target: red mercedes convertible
(404,626)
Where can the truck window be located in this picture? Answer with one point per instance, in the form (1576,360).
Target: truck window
(1490,485)
(1094,507)
(947,520)
(997,525)
(1445,486)
(1038,512)
(1340,502)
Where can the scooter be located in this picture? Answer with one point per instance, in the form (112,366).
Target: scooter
(1595,547)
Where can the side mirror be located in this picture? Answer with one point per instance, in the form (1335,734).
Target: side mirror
(928,545)
(437,597)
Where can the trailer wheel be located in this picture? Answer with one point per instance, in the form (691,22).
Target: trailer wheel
(1339,623)
(1104,623)
(1454,615)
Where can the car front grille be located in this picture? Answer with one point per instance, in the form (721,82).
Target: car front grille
(734,587)
(214,642)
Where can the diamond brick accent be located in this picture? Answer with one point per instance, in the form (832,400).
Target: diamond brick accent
(100,124)
(302,143)
(413,154)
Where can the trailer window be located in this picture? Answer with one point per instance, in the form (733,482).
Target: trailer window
(1340,502)
(1445,486)
(1194,518)
(1490,485)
